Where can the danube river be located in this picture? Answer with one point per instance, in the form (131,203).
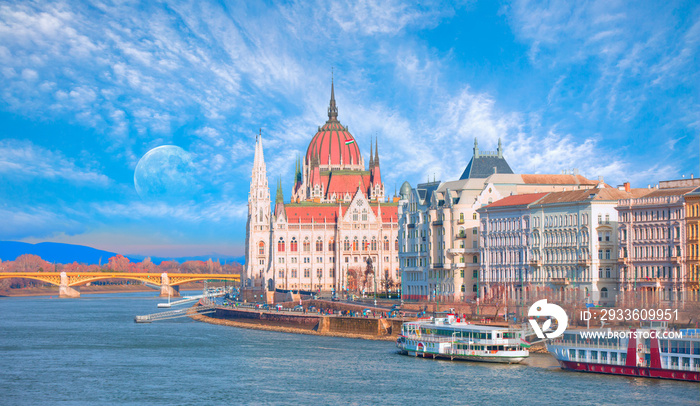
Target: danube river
(90,351)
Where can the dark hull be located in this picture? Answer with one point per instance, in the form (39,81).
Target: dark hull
(690,376)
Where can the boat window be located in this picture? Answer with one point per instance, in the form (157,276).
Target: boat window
(613,357)
(582,355)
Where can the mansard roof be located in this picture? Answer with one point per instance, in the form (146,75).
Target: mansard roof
(485,166)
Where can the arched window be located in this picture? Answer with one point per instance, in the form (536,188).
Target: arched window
(307,245)
(365,244)
(474,287)
(319,245)
(604,293)
(473,216)
(396,244)
(293,245)
(346,244)
(355,245)
(364,215)
(475,259)
(386,244)
(374,244)
(261,248)
(354,215)
(280,245)
(462,289)
(331,245)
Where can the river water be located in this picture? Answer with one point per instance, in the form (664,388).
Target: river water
(90,351)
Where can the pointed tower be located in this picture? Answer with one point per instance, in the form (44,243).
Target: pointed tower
(258,235)
(371,160)
(280,215)
(376,175)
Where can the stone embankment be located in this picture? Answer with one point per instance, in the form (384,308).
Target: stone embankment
(368,328)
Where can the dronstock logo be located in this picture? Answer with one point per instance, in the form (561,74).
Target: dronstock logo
(543,309)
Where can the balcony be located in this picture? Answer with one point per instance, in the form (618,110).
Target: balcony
(535,263)
(437,222)
(461,235)
(438,266)
(583,262)
(455,251)
(411,225)
(460,221)
(459,264)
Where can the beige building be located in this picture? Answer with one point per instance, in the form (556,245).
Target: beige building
(439,224)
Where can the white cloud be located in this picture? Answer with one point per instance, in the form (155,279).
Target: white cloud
(22,159)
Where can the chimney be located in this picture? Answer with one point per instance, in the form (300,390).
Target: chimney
(627,187)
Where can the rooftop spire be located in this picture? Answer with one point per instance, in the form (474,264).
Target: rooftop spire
(371,159)
(332,109)
(280,197)
(376,151)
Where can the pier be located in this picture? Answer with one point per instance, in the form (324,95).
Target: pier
(174,314)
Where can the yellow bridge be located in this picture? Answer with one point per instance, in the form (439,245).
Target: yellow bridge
(66,281)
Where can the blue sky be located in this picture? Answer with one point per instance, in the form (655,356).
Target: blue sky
(87,88)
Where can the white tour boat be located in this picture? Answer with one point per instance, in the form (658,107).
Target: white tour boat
(449,338)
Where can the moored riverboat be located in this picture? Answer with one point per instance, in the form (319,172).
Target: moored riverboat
(652,351)
(448,338)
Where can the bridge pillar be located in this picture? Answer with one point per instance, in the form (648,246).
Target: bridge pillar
(165,288)
(64,290)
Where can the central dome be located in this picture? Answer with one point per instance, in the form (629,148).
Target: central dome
(333,145)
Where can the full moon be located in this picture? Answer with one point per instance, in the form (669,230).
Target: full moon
(165,173)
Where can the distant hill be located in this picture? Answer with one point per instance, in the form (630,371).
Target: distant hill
(69,253)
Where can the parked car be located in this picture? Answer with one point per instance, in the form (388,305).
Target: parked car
(298,308)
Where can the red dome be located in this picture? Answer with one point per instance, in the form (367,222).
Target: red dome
(334,146)
(331,143)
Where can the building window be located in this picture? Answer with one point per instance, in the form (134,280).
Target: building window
(307,273)
(600,254)
(474,288)
(475,273)
(386,244)
(355,244)
(396,244)
(319,245)
(261,248)
(474,216)
(604,293)
(294,273)
(346,244)
(307,245)
(374,244)
(280,274)
(280,245)
(293,246)
(331,245)
(475,259)
(462,289)
(319,273)
(364,215)
(607,254)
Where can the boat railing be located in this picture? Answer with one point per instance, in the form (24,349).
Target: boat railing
(574,344)
(461,340)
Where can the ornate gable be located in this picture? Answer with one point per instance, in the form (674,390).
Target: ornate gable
(359,206)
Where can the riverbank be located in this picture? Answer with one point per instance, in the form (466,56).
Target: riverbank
(320,325)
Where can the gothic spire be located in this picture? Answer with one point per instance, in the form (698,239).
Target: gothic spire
(332,109)
(280,196)
(371,160)
(376,151)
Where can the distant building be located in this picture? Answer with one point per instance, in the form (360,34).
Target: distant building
(439,223)
(654,241)
(336,221)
